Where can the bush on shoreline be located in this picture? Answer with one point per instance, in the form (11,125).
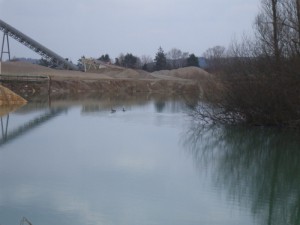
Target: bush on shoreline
(260,100)
(260,76)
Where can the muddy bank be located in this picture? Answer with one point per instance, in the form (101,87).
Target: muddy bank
(109,80)
(123,86)
(103,86)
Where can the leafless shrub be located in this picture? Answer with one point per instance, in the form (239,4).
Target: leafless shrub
(260,76)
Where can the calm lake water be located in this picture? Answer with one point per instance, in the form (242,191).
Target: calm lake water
(74,162)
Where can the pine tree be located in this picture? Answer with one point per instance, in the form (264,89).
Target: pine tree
(104,58)
(192,60)
(130,61)
(160,60)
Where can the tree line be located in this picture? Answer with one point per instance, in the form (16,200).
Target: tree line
(173,59)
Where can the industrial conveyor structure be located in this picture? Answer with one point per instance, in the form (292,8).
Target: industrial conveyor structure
(33,45)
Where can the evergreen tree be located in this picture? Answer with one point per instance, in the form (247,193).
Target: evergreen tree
(160,60)
(192,60)
(117,62)
(130,61)
(145,67)
(104,58)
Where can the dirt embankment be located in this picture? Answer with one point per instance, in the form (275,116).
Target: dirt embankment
(108,79)
(123,86)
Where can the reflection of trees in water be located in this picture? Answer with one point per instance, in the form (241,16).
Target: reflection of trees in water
(174,103)
(159,106)
(257,167)
(97,102)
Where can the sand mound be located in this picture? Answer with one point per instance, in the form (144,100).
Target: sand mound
(191,73)
(133,74)
(8,97)
(121,72)
(24,68)
(105,72)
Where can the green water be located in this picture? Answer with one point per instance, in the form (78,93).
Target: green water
(75,162)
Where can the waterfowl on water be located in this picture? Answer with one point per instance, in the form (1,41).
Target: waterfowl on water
(113,110)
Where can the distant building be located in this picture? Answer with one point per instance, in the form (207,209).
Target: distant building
(203,63)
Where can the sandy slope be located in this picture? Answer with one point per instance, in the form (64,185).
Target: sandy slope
(22,68)
(9,98)
(109,79)
(191,73)
(109,72)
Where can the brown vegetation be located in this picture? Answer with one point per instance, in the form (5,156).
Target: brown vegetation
(260,77)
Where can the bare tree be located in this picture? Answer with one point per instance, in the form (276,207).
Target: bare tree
(147,63)
(146,59)
(291,14)
(215,55)
(214,52)
(298,19)
(174,56)
(260,76)
(277,30)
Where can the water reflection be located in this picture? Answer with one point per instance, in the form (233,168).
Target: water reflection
(88,166)
(81,164)
(4,119)
(258,168)
(51,106)
(4,126)
(27,126)
(92,102)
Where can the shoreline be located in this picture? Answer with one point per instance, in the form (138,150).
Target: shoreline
(29,80)
(112,86)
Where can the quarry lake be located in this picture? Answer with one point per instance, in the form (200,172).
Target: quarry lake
(77,162)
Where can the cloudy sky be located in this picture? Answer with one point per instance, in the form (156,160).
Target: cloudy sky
(73,28)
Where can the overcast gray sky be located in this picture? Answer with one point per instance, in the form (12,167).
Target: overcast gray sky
(73,28)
